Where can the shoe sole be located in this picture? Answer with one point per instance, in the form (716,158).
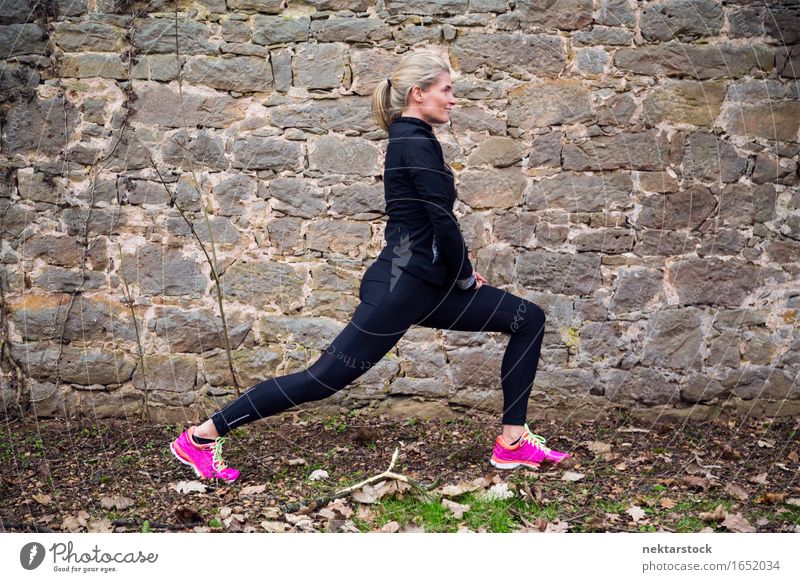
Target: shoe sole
(512,465)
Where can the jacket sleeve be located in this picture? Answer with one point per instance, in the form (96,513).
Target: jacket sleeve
(433,185)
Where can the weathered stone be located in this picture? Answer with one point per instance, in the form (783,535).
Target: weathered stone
(617,111)
(603,343)
(499,152)
(411,35)
(761,382)
(47,399)
(647,386)
(771,120)
(41,187)
(263,284)
(478,366)
(222,230)
(657,182)
(644,150)
(199,150)
(550,234)
(694,102)
(92,222)
(603,35)
(59,279)
(722,242)
(781,22)
(359,201)
(636,289)
(542,104)
(787,62)
(472,118)
(89,35)
(172,373)
(234,30)
(576,274)
(426,7)
(311,332)
(546,149)
(783,250)
(582,193)
(319,66)
(743,205)
(267,6)
(280,29)
(252,367)
(329,114)
(22,39)
(295,197)
(338,236)
(285,236)
(45,317)
(712,281)
(676,59)
(698,388)
(348,29)
(605,240)
(673,338)
(243,74)
(616,12)
(538,54)
(130,153)
(569,382)
(78,365)
(139,192)
(427,387)
(493,188)
(515,228)
(351,155)
(160,105)
(41,126)
(681,19)
(196,331)
(686,209)
(558,14)
(259,153)
(164,271)
(335,292)
(18,12)
(234,194)
(157,35)
(590,62)
(64,251)
(768,168)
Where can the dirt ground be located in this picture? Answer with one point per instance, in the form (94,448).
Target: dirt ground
(727,475)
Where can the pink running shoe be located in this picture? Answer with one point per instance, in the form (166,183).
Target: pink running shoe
(529,451)
(206,460)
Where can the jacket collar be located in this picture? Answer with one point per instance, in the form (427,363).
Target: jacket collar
(414,120)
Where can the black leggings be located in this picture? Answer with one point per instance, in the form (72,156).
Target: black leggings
(390,304)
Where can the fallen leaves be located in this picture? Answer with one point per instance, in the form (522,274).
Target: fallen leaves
(737,523)
(117,502)
(636,513)
(572,476)
(185,487)
(457,509)
(252,490)
(318,475)
(496,491)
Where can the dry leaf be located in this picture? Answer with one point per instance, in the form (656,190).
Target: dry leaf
(696,482)
(367,494)
(667,503)
(736,491)
(42,499)
(272,512)
(766,443)
(100,526)
(457,509)
(761,479)
(461,488)
(792,456)
(252,490)
(341,507)
(572,476)
(717,515)
(557,527)
(366,514)
(326,513)
(274,526)
(498,491)
(73,523)
(318,475)
(117,501)
(737,523)
(635,512)
(597,447)
(795,501)
(391,527)
(772,497)
(188,487)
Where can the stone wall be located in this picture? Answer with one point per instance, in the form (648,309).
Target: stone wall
(631,167)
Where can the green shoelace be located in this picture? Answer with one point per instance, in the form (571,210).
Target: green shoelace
(216,461)
(534,439)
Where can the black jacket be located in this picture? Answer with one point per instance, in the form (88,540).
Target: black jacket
(422,234)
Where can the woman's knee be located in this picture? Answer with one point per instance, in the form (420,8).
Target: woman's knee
(528,317)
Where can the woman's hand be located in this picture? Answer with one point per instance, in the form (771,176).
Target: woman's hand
(480,279)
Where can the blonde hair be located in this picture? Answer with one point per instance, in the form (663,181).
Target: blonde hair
(421,68)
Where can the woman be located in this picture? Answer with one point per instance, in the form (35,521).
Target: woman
(423,276)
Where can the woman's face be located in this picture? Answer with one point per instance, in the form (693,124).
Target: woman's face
(438,101)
